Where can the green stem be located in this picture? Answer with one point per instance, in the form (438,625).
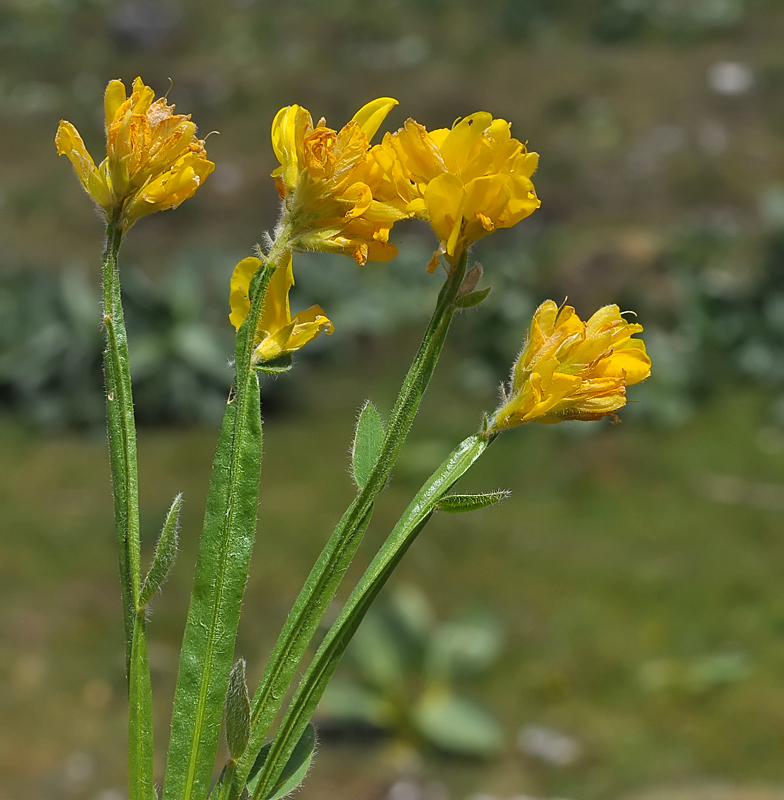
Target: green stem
(122,436)
(339,635)
(125,483)
(140,734)
(221,569)
(227,789)
(328,572)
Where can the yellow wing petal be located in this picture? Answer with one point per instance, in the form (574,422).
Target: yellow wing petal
(69,143)
(115,96)
(275,313)
(372,114)
(239,299)
(444,198)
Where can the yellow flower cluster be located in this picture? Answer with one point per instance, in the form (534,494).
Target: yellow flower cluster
(466,181)
(277,332)
(342,195)
(153,158)
(326,183)
(346,196)
(570,369)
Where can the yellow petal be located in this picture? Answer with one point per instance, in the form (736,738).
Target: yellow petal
(275,311)
(372,114)
(308,325)
(288,130)
(438,136)
(142,97)
(444,198)
(632,362)
(607,316)
(417,152)
(459,143)
(69,143)
(239,298)
(305,327)
(488,196)
(360,197)
(112,100)
(499,131)
(558,388)
(525,165)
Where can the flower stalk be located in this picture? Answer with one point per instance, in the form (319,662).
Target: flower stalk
(125,483)
(122,435)
(331,566)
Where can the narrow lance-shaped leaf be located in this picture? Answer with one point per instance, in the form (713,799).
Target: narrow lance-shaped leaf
(295,770)
(460,503)
(165,553)
(368,440)
(226,544)
(472,299)
(237,711)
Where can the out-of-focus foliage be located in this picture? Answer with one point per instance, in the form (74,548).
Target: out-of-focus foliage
(404,668)
(51,344)
(711,299)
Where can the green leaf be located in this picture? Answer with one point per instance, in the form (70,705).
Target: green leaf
(456,725)
(237,711)
(165,552)
(378,652)
(464,647)
(276,366)
(207,653)
(460,503)
(473,299)
(368,439)
(412,612)
(348,702)
(295,770)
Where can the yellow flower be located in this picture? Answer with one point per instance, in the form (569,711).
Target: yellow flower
(277,333)
(466,181)
(570,369)
(153,158)
(327,182)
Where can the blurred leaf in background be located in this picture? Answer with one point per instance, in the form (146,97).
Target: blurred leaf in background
(403,674)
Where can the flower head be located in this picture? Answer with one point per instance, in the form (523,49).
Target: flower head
(153,158)
(570,369)
(277,332)
(328,182)
(466,181)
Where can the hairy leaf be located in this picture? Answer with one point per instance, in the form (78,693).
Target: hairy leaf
(165,553)
(368,439)
(460,503)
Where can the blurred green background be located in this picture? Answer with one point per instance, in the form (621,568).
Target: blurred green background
(633,580)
